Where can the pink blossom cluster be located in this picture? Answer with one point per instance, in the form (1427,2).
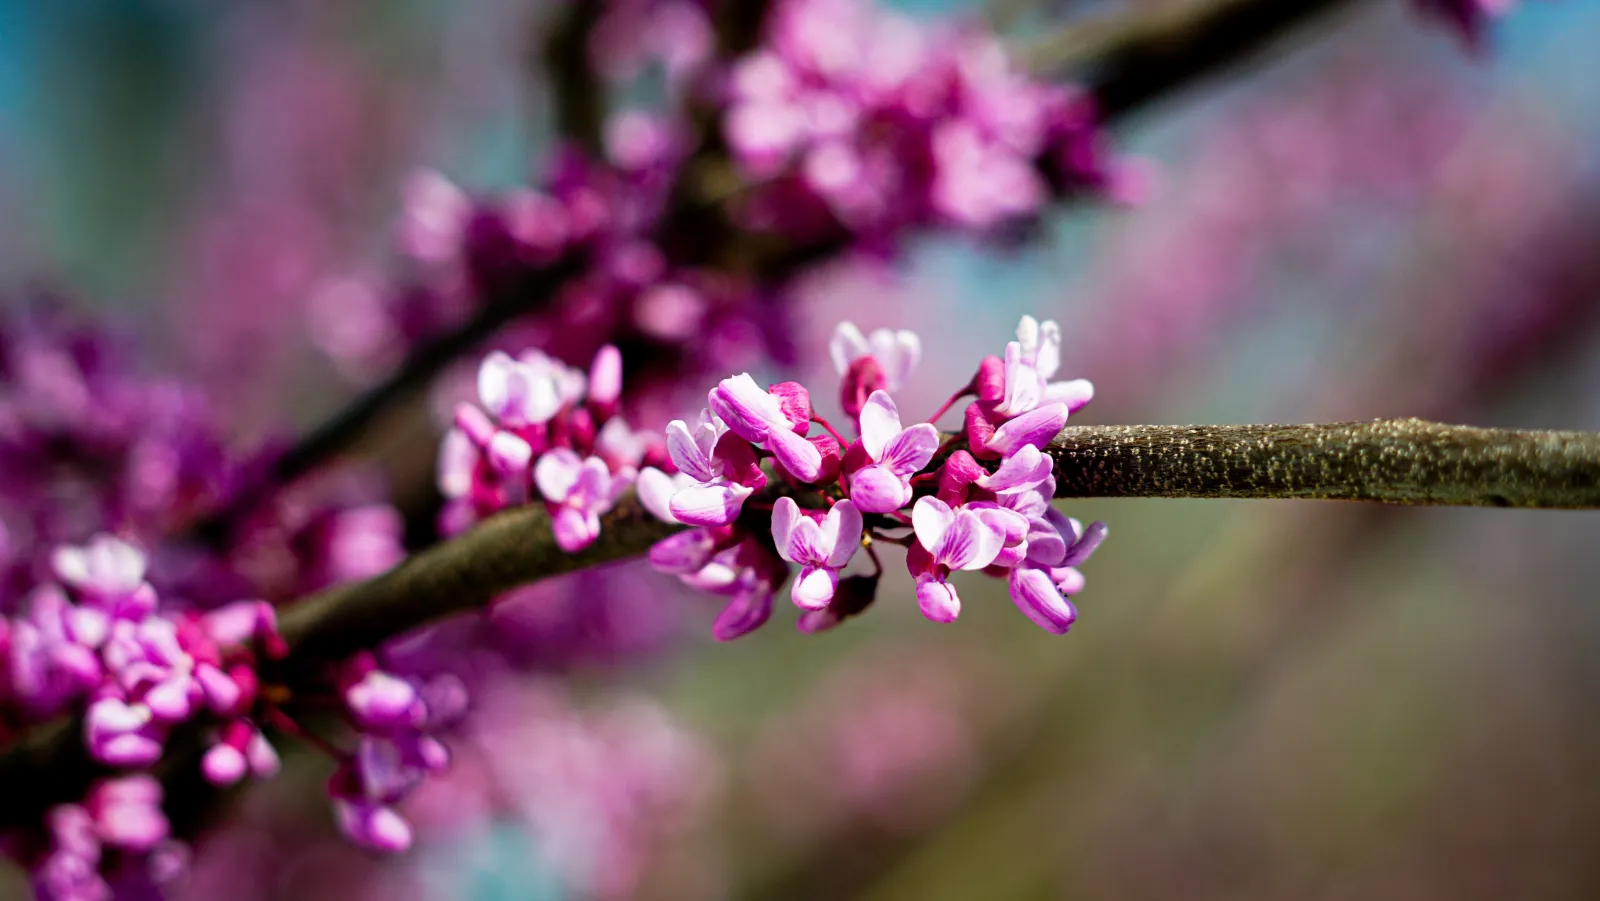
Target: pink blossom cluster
(850,116)
(584,248)
(88,444)
(116,844)
(96,640)
(835,496)
(546,432)
(396,719)
(96,635)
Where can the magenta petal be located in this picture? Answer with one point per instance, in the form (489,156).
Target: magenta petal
(930,519)
(1085,545)
(842,526)
(575,529)
(132,749)
(1036,427)
(805,543)
(880,423)
(1020,471)
(875,489)
(846,346)
(1069,580)
(655,489)
(224,765)
(747,409)
(1038,598)
(683,553)
(909,451)
(749,609)
(814,587)
(969,543)
(689,456)
(715,504)
(799,456)
(556,474)
(938,601)
(1046,546)
(605,376)
(1076,394)
(785,516)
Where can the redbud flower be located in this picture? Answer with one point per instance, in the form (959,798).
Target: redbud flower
(896,353)
(724,472)
(1036,427)
(435,217)
(947,540)
(760,418)
(517,393)
(1030,362)
(821,548)
(897,454)
(577,491)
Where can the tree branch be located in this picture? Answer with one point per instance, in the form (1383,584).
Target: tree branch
(1394,461)
(512,548)
(1401,461)
(1131,60)
(575,91)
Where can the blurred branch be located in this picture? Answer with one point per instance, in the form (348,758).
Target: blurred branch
(347,426)
(1133,59)
(576,92)
(1393,461)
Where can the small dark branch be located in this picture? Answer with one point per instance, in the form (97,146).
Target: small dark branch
(576,92)
(738,24)
(1128,61)
(1394,461)
(464,574)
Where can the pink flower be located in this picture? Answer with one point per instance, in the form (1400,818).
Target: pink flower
(435,217)
(1030,362)
(578,491)
(947,540)
(723,467)
(605,379)
(127,812)
(822,549)
(1040,588)
(1036,428)
(107,570)
(382,701)
(241,750)
(1024,470)
(896,353)
(759,417)
(123,734)
(375,826)
(655,489)
(896,453)
(517,393)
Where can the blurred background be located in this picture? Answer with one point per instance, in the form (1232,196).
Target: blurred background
(1260,699)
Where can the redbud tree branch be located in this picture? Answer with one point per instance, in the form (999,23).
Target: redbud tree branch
(1128,61)
(1392,461)
(1398,461)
